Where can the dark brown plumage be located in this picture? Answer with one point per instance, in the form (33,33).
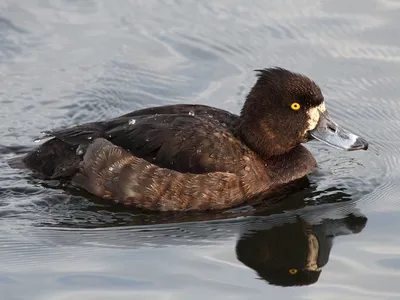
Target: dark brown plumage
(191,157)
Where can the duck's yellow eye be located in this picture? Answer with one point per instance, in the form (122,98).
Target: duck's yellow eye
(295,106)
(293,271)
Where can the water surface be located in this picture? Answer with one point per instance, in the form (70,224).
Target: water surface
(67,62)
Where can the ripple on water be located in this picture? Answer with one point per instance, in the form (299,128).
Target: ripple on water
(88,60)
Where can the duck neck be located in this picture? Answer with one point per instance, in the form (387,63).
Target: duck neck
(276,155)
(299,161)
(262,139)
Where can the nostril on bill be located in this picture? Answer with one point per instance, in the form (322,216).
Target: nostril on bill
(331,128)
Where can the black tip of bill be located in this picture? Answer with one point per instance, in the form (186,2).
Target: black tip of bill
(359,144)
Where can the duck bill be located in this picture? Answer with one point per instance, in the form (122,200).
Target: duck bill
(329,132)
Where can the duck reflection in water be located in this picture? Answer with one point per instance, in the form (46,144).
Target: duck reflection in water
(286,242)
(293,253)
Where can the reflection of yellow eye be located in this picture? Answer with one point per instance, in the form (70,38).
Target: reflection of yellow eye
(295,106)
(293,271)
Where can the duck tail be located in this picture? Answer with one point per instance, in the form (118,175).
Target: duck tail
(54,159)
(17,162)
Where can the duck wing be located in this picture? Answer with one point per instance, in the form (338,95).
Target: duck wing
(184,109)
(85,133)
(187,143)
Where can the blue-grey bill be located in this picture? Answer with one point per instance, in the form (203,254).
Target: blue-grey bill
(329,132)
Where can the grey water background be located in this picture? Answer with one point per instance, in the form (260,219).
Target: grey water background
(67,62)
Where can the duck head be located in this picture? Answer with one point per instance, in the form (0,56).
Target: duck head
(284,109)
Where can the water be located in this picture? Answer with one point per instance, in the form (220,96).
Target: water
(67,62)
